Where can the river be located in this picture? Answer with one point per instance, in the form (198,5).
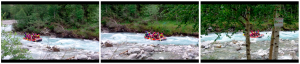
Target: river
(37,51)
(226,49)
(139,38)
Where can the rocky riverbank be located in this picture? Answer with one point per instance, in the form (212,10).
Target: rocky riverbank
(134,51)
(236,50)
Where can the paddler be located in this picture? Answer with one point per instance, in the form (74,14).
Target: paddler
(161,35)
(38,36)
(146,34)
(24,34)
(155,35)
(149,34)
(29,37)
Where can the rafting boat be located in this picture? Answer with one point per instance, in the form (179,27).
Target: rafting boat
(34,40)
(161,39)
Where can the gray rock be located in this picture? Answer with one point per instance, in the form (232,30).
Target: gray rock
(149,48)
(95,56)
(134,50)
(82,57)
(132,56)
(108,44)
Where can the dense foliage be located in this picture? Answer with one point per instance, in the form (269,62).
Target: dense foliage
(158,17)
(225,16)
(81,19)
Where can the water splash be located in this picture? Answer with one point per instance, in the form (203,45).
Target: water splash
(139,38)
(239,36)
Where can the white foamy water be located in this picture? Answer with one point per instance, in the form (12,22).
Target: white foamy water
(239,36)
(7,28)
(139,38)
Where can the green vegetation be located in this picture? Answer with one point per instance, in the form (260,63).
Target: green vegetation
(79,19)
(261,16)
(11,46)
(167,18)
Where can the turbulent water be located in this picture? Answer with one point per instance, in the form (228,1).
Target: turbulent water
(291,35)
(139,38)
(87,45)
(288,43)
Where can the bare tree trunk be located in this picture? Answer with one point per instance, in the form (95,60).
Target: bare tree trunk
(247,34)
(271,44)
(277,29)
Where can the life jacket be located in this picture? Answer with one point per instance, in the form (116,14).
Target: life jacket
(38,36)
(161,35)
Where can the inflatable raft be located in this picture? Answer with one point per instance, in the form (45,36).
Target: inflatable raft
(34,40)
(261,35)
(161,39)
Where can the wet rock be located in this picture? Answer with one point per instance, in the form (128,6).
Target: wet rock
(293,55)
(150,58)
(29,46)
(238,48)
(134,50)
(132,56)
(55,49)
(95,56)
(202,46)
(149,48)
(82,57)
(234,42)
(108,44)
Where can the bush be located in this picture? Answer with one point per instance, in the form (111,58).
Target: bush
(10,46)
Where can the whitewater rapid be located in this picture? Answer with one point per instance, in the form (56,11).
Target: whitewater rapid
(139,38)
(291,35)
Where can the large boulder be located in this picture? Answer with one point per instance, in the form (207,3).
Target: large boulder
(108,44)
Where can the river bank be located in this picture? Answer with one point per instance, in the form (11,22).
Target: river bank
(140,51)
(236,50)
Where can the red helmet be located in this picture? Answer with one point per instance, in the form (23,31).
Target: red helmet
(161,33)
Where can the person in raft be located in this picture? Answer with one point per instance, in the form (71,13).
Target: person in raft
(257,32)
(155,35)
(146,34)
(38,36)
(152,36)
(161,35)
